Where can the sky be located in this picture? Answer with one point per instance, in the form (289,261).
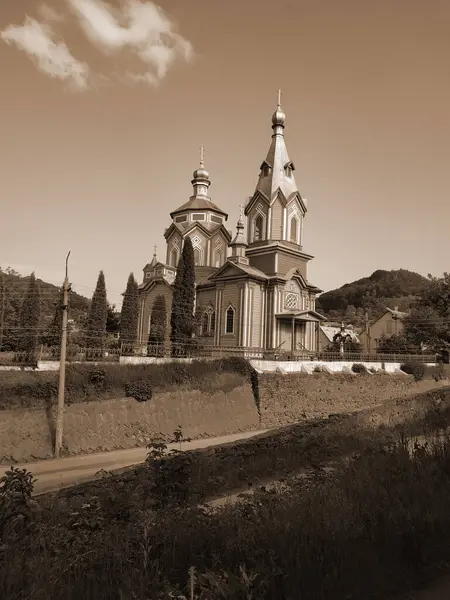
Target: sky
(104,106)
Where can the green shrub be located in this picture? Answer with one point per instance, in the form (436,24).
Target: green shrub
(416,369)
(140,390)
(359,368)
(86,381)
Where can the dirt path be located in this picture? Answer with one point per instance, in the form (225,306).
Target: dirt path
(56,474)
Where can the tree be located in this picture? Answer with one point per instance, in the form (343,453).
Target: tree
(2,307)
(158,322)
(395,344)
(97,317)
(428,323)
(52,336)
(30,317)
(183,300)
(112,319)
(129,315)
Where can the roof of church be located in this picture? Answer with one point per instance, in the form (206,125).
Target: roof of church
(196,203)
(277,159)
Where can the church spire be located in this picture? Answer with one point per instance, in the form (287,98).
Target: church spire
(239,245)
(277,170)
(201,181)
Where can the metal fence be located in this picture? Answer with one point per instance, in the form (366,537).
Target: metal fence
(202,351)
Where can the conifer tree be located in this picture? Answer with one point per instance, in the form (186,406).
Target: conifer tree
(129,315)
(2,307)
(30,317)
(97,317)
(183,300)
(158,321)
(53,337)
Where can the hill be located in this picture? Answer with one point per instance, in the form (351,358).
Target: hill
(15,286)
(371,294)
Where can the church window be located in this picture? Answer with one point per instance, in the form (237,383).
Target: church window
(291,300)
(229,320)
(205,323)
(217,259)
(294,230)
(198,217)
(215,219)
(197,257)
(265,171)
(174,258)
(181,219)
(208,321)
(258,232)
(288,170)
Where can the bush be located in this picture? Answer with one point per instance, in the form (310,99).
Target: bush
(88,381)
(140,390)
(416,369)
(359,368)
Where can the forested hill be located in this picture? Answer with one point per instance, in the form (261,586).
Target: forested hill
(15,287)
(374,293)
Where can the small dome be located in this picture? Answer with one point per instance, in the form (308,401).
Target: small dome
(201,173)
(278,117)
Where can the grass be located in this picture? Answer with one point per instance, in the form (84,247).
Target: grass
(86,382)
(377,525)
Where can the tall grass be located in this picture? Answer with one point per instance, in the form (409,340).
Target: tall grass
(379,524)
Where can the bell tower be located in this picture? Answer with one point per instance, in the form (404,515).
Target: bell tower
(276,211)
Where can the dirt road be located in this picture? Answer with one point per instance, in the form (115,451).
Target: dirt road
(55,474)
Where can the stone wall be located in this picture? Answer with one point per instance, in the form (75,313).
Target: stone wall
(294,397)
(27,434)
(103,425)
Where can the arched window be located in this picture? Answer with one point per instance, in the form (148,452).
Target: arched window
(258,232)
(217,259)
(229,320)
(174,259)
(294,228)
(197,256)
(205,323)
(212,322)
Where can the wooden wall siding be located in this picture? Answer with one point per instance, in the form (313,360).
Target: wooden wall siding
(230,295)
(287,262)
(277,220)
(263,262)
(171,243)
(214,246)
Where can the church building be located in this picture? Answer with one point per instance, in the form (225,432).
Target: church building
(252,290)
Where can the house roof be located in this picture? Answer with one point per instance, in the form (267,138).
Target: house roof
(330,332)
(396,313)
(245,269)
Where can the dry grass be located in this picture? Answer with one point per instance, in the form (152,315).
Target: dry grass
(85,382)
(376,526)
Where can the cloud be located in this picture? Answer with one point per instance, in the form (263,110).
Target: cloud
(148,33)
(52,58)
(140,28)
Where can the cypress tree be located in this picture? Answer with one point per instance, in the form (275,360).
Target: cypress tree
(2,307)
(158,321)
(177,300)
(182,317)
(53,337)
(97,317)
(30,317)
(129,314)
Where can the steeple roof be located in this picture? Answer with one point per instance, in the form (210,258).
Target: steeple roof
(277,170)
(200,199)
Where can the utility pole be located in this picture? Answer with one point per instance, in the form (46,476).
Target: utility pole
(62,365)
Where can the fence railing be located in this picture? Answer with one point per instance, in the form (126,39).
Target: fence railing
(201,351)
